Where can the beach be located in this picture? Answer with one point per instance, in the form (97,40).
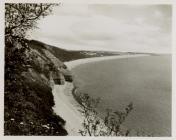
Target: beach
(65,104)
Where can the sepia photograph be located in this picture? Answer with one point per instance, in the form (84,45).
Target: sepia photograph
(81,69)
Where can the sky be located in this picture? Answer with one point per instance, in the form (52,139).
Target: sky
(112,27)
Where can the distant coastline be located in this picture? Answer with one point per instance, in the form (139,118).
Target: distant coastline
(74,63)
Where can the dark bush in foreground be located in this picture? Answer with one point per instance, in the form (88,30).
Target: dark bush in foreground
(28,97)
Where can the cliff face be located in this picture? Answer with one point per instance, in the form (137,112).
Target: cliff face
(28,96)
(49,62)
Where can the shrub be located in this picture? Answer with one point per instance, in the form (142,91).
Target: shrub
(110,125)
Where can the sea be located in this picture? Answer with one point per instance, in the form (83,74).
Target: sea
(146,81)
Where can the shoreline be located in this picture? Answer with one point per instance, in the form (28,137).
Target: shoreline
(75,63)
(66,105)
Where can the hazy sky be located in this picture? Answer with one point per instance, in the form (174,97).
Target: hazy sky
(142,28)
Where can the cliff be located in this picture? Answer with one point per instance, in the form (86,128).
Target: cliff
(28,92)
(68,55)
(28,107)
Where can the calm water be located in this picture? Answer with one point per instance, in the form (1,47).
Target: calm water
(145,81)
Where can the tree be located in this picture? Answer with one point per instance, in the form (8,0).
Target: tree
(20,17)
(93,125)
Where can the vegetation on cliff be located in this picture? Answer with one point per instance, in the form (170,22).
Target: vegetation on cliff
(28,95)
(69,55)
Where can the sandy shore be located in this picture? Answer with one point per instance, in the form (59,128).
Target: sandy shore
(65,104)
(67,107)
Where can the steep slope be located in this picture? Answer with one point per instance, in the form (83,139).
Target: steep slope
(29,76)
(28,92)
(67,55)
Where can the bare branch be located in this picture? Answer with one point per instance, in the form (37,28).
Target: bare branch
(95,126)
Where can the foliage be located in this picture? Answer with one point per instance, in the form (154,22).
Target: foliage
(28,102)
(93,125)
(21,17)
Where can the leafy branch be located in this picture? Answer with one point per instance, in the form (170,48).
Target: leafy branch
(22,17)
(110,125)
